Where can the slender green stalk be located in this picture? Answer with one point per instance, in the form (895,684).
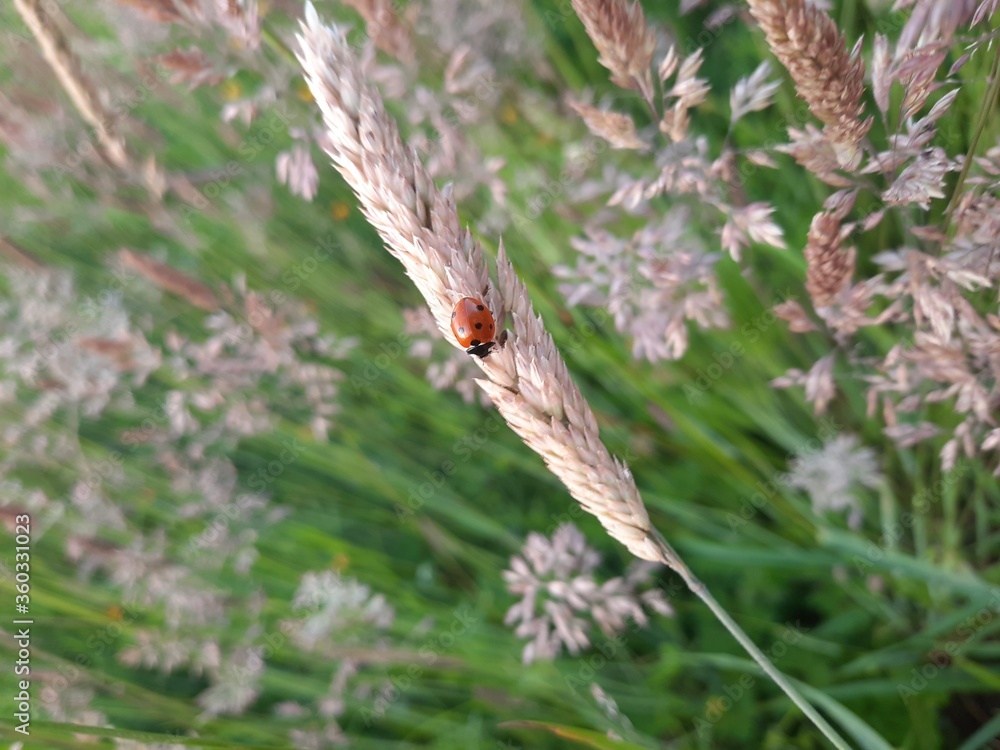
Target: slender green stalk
(276,42)
(674,561)
(985,107)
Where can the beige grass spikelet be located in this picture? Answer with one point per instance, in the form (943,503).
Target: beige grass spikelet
(626,44)
(831,80)
(525,376)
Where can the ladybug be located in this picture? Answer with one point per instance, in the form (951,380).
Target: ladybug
(472,324)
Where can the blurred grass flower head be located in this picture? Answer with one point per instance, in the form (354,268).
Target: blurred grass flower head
(561,597)
(834,475)
(332,605)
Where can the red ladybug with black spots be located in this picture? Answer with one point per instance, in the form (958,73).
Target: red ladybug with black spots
(473,326)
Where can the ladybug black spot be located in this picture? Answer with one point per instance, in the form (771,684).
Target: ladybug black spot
(454,314)
(479,325)
(491,326)
(480,307)
(461,330)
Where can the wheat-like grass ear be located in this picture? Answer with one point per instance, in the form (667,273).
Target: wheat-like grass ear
(525,375)
(543,405)
(830,79)
(623,40)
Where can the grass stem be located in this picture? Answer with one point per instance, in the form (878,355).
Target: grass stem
(985,107)
(674,561)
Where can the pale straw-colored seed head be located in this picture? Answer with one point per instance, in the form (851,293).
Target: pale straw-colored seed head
(524,375)
(418,222)
(625,43)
